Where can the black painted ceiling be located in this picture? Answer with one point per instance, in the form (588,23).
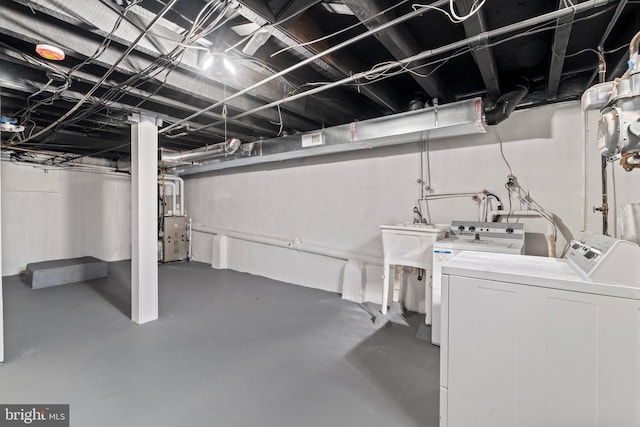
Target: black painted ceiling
(80,105)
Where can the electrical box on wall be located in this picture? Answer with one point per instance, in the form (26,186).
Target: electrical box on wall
(175,241)
(312,139)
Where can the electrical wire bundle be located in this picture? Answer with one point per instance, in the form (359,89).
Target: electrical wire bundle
(481,198)
(165,63)
(209,19)
(376,73)
(514,188)
(56,73)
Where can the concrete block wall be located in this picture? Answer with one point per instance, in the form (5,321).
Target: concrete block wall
(58,214)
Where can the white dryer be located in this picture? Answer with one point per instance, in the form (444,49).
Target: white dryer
(505,238)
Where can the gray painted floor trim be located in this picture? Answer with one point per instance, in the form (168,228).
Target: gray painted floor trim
(229,349)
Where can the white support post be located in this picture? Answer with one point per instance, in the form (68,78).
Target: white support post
(353,281)
(1,291)
(144,217)
(219,252)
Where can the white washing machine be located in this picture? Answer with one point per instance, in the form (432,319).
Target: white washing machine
(506,238)
(534,341)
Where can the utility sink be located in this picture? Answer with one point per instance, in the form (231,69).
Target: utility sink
(406,243)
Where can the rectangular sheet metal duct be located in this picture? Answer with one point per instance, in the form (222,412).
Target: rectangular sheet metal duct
(458,118)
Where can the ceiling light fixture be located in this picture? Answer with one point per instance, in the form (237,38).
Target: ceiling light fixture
(207,62)
(229,65)
(216,61)
(50,52)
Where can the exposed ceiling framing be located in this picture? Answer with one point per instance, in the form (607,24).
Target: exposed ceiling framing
(399,41)
(483,55)
(558,51)
(339,67)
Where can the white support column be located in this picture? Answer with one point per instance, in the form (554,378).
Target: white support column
(219,258)
(144,217)
(1,291)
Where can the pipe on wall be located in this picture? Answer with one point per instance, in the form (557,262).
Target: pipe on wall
(294,244)
(179,185)
(585,168)
(174,187)
(633,45)
(86,168)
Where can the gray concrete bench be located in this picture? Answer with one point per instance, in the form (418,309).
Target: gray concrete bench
(63,271)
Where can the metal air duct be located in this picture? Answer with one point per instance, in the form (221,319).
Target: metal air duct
(458,118)
(207,152)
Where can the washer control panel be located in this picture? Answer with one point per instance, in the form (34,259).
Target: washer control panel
(606,259)
(484,230)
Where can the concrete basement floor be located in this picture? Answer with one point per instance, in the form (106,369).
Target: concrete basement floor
(229,349)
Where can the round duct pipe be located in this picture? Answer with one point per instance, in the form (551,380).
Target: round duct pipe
(220,149)
(418,101)
(507,102)
(192,155)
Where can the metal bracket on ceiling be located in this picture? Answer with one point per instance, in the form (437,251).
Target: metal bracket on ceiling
(138,118)
(435,111)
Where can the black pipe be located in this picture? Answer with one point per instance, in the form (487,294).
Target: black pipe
(507,102)
(500,207)
(497,199)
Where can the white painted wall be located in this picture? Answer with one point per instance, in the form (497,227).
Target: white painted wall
(338,201)
(63,214)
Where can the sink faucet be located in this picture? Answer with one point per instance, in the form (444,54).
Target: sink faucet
(418,218)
